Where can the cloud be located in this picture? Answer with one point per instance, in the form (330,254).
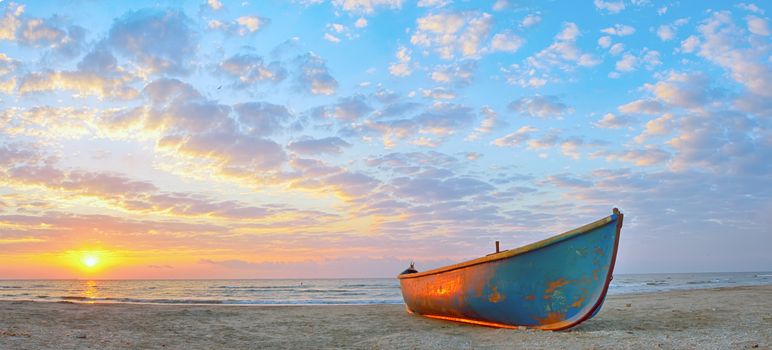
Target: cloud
(347,109)
(24,167)
(640,157)
(642,107)
(562,54)
(612,121)
(690,44)
(68,41)
(18,153)
(427,142)
(539,106)
(627,63)
(83,84)
(440,119)
(195,128)
(748,66)
(604,41)
(366,6)
(11,21)
(214,4)
(630,62)
(433,3)
(241,26)
(331,38)
(425,189)
(313,76)
(682,90)
(451,33)
(99,60)
(8,68)
(667,32)
(158,41)
(500,5)
(402,67)
(250,24)
(516,138)
(486,126)
(610,6)
(327,145)
(566,181)
(757,25)
(438,93)
(727,142)
(506,42)
(262,118)
(530,20)
(54,33)
(619,30)
(249,69)
(616,49)
(663,125)
(346,184)
(35,122)
(458,74)
(177,106)
(239,154)
(750,7)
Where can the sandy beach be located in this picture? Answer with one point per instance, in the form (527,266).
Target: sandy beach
(727,318)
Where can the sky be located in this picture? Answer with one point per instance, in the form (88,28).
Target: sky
(345,138)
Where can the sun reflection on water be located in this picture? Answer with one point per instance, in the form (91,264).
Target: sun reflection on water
(90,292)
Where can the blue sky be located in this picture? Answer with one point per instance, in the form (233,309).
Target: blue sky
(346,138)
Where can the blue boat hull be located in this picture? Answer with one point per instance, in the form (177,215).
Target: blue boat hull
(553,284)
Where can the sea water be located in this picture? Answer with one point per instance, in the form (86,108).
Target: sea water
(310,291)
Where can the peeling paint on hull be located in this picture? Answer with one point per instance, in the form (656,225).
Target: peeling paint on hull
(553,284)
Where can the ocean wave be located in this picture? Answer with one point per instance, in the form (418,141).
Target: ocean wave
(77,299)
(262,287)
(705,282)
(657,283)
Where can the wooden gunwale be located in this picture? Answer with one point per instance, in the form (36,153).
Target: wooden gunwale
(517,251)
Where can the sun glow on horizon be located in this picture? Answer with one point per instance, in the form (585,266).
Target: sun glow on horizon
(90,260)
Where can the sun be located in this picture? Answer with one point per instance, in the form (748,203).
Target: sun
(90,260)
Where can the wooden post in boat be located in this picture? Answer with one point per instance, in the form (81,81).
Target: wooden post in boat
(497,246)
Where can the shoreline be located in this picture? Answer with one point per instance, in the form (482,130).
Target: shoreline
(237,303)
(719,318)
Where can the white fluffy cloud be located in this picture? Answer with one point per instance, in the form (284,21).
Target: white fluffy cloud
(667,32)
(506,42)
(563,54)
(402,67)
(530,20)
(539,106)
(619,30)
(610,6)
(366,6)
(453,33)
(757,25)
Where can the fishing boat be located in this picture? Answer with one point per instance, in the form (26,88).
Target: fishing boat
(552,284)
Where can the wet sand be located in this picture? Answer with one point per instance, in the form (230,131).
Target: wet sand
(727,318)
